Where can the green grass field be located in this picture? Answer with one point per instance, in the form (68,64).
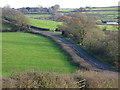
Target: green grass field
(106,13)
(36,15)
(105,8)
(45,23)
(108,27)
(24,51)
(66,10)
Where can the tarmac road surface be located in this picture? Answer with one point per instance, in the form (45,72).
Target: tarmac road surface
(83,54)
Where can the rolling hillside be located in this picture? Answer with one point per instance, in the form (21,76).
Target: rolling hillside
(23,51)
(45,23)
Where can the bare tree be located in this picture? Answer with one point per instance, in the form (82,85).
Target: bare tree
(78,26)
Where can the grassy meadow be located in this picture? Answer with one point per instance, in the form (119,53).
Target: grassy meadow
(66,10)
(44,23)
(108,27)
(105,8)
(24,51)
(106,13)
(36,15)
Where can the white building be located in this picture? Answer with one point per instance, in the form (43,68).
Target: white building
(114,23)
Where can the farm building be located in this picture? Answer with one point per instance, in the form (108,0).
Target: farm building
(110,22)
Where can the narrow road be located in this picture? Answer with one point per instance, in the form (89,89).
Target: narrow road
(80,52)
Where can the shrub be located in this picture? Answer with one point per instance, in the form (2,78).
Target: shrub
(103,79)
(39,80)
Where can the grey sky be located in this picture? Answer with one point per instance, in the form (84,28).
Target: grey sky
(62,3)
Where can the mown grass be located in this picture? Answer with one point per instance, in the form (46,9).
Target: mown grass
(45,23)
(108,27)
(23,51)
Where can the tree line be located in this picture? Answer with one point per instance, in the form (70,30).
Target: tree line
(43,10)
(13,19)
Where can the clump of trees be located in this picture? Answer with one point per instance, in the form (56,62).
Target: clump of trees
(41,10)
(54,9)
(77,27)
(14,18)
(83,30)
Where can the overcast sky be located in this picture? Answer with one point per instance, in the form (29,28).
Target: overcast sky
(62,3)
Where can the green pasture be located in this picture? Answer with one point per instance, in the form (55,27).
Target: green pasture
(45,23)
(106,8)
(66,10)
(36,15)
(24,51)
(108,27)
(106,12)
(110,14)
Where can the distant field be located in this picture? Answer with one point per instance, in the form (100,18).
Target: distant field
(109,16)
(45,23)
(112,16)
(66,10)
(108,27)
(107,13)
(106,8)
(23,51)
(36,15)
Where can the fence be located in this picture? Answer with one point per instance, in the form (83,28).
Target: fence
(82,84)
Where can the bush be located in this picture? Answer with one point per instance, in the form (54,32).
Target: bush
(104,46)
(103,79)
(39,80)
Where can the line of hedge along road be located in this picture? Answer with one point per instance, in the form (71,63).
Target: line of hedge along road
(74,58)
